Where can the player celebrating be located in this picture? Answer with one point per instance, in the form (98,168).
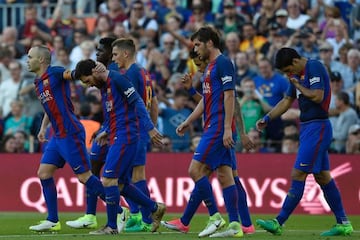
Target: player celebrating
(216,147)
(215,221)
(68,143)
(124,53)
(310,85)
(124,108)
(98,153)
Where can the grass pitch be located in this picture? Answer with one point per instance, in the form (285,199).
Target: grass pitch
(15,226)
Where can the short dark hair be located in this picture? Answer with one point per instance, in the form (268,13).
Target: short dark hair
(84,68)
(284,57)
(207,33)
(344,96)
(107,42)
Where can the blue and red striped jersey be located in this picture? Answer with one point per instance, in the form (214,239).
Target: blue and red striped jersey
(315,77)
(219,76)
(53,91)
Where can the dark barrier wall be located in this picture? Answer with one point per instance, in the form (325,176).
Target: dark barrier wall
(265,177)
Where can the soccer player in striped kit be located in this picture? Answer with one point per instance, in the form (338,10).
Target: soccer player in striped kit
(310,84)
(68,143)
(124,53)
(126,111)
(216,147)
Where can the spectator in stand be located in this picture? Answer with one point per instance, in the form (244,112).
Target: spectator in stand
(57,44)
(290,128)
(243,68)
(353,140)
(172,116)
(197,18)
(22,141)
(17,120)
(138,22)
(326,52)
(272,86)
(62,22)
(9,88)
(290,144)
(265,17)
(1,124)
(8,144)
(170,7)
(33,28)
(6,56)
(253,106)
(9,39)
(351,71)
(63,59)
(251,40)
(232,42)
(119,30)
(331,20)
(307,47)
(230,20)
(341,37)
(167,144)
(77,24)
(80,35)
(115,10)
(295,19)
(103,27)
(347,117)
(195,139)
(88,50)
(281,19)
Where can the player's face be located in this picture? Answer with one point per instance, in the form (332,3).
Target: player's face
(201,49)
(91,81)
(118,56)
(33,62)
(103,55)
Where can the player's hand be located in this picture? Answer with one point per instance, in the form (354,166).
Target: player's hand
(261,125)
(41,136)
(102,138)
(182,128)
(186,81)
(246,142)
(99,68)
(156,137)
(228,141)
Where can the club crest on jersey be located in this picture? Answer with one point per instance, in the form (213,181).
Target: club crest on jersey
(46,82)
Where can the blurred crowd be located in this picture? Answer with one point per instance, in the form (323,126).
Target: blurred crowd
(252,31)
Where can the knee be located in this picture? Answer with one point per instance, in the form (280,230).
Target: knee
(138,174)
(84,177)
(42,174)
(322,178)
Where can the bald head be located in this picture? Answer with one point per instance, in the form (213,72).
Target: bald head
(42,52)
(39,59)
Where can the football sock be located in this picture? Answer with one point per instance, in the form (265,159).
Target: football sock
(231,203)
(91,202)
(291,201)
(206,194)
(133,207)
(112,205)
(242,204)
(94,185)
(145,212)
(333,198)
(50,195)
(191,206)
(133,193)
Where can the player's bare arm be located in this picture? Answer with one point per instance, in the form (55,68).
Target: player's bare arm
(315,95)
(229,103)
(102,138)
(45,122)
(154,110)
(184,126)
(276,112)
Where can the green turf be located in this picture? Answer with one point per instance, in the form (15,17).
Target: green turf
(15,226)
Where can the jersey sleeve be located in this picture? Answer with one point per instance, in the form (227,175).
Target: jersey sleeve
(226,73)
(316,80)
